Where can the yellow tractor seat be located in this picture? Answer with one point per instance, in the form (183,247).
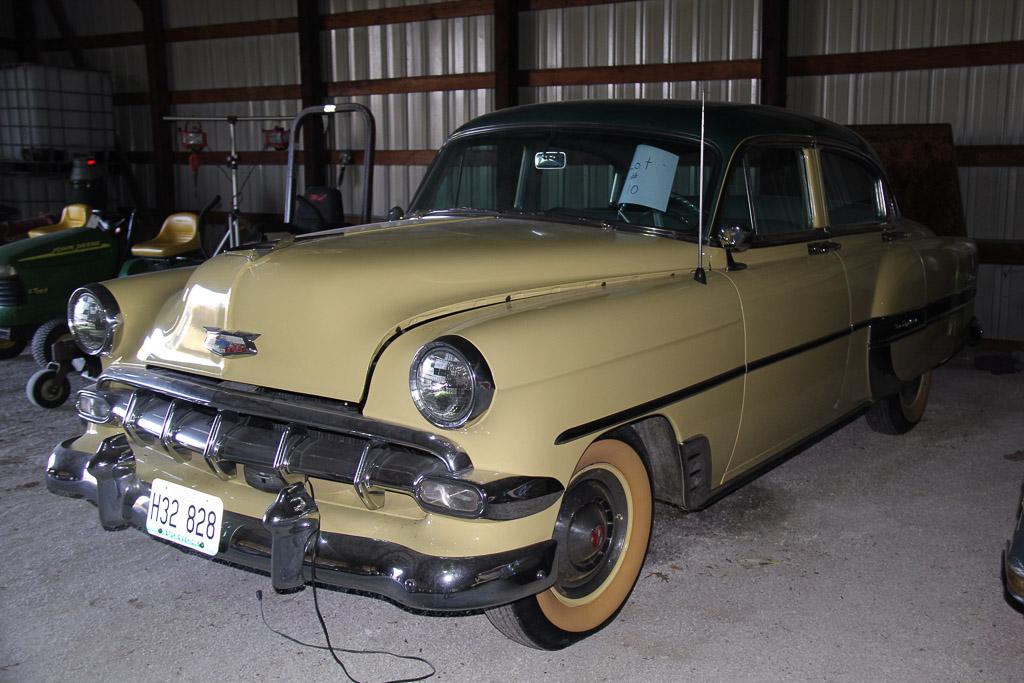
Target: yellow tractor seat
(178,235)
(73,216)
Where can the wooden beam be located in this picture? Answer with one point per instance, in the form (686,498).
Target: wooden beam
(156,71)
(381,157)
(243,94)
(402,15)
(239,29)
(266,27)
(313,91)
(642,73)
(646,73)
(774,39)
(391,86)
(506,53)
(1001,252)
(537,5)
(950,57)
(990,155)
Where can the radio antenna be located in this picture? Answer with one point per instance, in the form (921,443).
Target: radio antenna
(699,275)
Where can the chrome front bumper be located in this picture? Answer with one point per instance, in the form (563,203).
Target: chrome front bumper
(281,543)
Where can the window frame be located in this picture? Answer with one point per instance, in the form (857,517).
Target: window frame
(804,146)
(883,194)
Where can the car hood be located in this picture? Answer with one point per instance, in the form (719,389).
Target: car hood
(323,307)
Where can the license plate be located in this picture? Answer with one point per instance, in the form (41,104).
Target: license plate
(184,516)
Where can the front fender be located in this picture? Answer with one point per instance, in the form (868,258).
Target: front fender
(565,360)
(141,299)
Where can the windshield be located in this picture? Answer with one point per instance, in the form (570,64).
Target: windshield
(614,178)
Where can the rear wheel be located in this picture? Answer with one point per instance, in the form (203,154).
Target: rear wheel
(603,529)
(46,335)
(899,413)
(10,348)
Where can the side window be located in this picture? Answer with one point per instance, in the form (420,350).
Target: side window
(768,192)
(853,190)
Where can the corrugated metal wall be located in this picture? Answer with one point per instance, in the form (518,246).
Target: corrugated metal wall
(985,105)
(652,32)
(414,120)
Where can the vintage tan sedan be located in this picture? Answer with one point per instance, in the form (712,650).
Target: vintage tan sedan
(476,406)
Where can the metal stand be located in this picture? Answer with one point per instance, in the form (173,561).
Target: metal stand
(232,237)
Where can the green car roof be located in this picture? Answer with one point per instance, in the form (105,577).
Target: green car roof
(726,124)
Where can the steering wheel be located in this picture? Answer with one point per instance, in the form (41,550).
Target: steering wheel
(676,199)
(109,222)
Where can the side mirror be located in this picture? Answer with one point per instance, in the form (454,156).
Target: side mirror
(734,237)
(395,213)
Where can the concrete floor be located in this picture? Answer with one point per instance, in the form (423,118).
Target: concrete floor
(865,558)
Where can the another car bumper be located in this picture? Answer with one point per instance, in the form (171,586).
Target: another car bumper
(1014,563)
(280,543)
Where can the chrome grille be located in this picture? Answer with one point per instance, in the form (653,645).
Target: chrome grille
(190,418)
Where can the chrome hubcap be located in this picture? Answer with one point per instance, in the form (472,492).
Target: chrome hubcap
(591,532)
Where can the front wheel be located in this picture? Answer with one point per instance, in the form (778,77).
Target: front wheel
(899,413)
(48,388)
(602,531)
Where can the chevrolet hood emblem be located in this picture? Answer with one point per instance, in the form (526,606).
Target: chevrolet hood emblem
(225,343)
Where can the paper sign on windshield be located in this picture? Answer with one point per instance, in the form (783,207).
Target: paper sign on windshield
(649,180)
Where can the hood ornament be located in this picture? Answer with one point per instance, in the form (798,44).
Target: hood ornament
(225,343)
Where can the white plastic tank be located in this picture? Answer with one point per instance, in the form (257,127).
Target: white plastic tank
(50,113)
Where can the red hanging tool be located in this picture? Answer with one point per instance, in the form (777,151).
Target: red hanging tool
(193,138)
(276,138)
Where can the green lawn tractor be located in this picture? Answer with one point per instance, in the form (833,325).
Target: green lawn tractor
(38,274)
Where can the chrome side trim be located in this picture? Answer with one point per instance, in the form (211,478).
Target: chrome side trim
(298,409)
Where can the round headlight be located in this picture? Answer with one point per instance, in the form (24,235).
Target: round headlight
(93,318)
(450,382)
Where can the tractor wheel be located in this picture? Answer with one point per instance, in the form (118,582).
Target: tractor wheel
(11,348)
(48,334)
(48,388)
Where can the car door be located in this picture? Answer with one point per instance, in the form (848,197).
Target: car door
(858,207)
(795,302)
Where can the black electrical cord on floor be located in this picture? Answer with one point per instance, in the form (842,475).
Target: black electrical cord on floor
(327,636)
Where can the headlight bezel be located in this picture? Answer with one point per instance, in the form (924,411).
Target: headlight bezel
(482,382)
(7,271)
(112,318)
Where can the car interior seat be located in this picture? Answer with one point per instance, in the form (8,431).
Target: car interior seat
(178,235)
(73,216)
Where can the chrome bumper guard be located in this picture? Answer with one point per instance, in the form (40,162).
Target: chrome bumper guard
(272,432)
(281,543)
